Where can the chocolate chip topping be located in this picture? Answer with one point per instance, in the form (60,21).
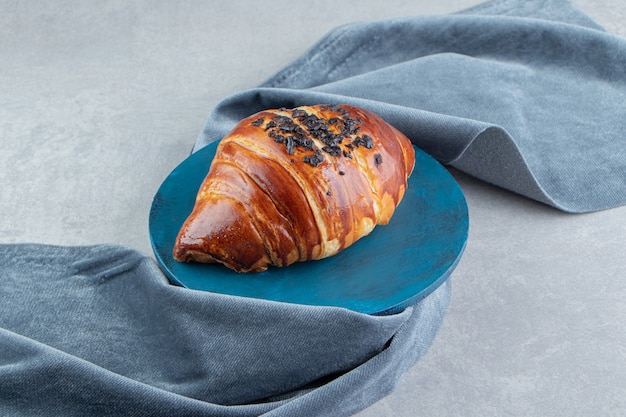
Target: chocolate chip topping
(339,133)
(258,122)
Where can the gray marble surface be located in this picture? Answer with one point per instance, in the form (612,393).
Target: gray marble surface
(99,101)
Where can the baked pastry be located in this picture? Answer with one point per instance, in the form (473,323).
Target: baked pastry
(291,185)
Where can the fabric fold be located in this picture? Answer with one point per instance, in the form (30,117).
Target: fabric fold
(541,74)
(105,330)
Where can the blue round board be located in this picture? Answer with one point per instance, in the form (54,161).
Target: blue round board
(393,267)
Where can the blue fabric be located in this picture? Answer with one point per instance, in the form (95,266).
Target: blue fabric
(527,95)
(99,331)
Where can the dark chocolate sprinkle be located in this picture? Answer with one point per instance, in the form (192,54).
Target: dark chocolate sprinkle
(286,127)
(369,142)
(282,119)
(298,113)
(364,140)
(296,128)
(378,159)
(333,150)
(290,145)
(315,159)
(299,131)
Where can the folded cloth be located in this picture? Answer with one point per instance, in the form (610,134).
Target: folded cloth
(527,95)
(98,331)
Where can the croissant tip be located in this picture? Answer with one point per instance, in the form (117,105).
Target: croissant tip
(202,254)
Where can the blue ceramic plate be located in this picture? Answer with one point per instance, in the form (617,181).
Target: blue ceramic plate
(393,267)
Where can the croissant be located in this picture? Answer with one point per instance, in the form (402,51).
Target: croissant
(292,185)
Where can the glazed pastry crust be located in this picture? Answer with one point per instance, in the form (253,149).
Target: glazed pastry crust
(290,185)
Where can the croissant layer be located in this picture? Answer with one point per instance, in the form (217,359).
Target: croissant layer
(290,185)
